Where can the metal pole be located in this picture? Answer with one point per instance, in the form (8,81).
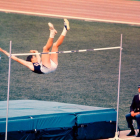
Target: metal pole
(119,77)
(8,90)
(72,51)
(119,84)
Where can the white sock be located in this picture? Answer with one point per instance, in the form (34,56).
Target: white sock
(64,32)
(52,33)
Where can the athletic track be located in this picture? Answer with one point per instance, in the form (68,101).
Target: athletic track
(114,11)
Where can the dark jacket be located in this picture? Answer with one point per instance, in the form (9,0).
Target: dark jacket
(135,106)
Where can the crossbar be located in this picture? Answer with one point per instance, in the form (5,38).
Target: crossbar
(72,51)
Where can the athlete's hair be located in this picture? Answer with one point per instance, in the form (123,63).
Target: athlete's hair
(29,58)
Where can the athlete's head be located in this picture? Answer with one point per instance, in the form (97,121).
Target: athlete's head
(32,58)
(29,58)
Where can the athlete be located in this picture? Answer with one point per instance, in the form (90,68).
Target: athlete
(47,62)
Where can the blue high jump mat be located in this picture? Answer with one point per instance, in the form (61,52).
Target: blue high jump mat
(45,120)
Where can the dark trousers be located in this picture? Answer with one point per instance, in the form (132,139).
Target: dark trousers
(130,119)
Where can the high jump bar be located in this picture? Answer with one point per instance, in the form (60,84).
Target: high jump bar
(72,51)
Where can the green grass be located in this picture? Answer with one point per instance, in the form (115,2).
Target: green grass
(89,78)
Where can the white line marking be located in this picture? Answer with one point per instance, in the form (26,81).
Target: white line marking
(71,17)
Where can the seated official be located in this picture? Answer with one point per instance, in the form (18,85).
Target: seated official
(134,114)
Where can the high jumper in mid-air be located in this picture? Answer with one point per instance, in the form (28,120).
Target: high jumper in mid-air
(47,62)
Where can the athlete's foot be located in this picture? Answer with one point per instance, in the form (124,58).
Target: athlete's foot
(51,28)
(66,24)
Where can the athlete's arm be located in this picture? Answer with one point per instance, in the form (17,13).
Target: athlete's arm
(21,61)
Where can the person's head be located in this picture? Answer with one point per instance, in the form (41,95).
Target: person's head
(29,58)
(139,88)
(32,58)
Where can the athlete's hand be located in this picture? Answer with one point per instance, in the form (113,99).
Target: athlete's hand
(1,50)
(33,51)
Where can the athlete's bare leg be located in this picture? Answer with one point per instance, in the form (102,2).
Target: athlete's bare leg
(46,57)
(54,57)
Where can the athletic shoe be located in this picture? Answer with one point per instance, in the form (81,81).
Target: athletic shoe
(51,27)
(66,24)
